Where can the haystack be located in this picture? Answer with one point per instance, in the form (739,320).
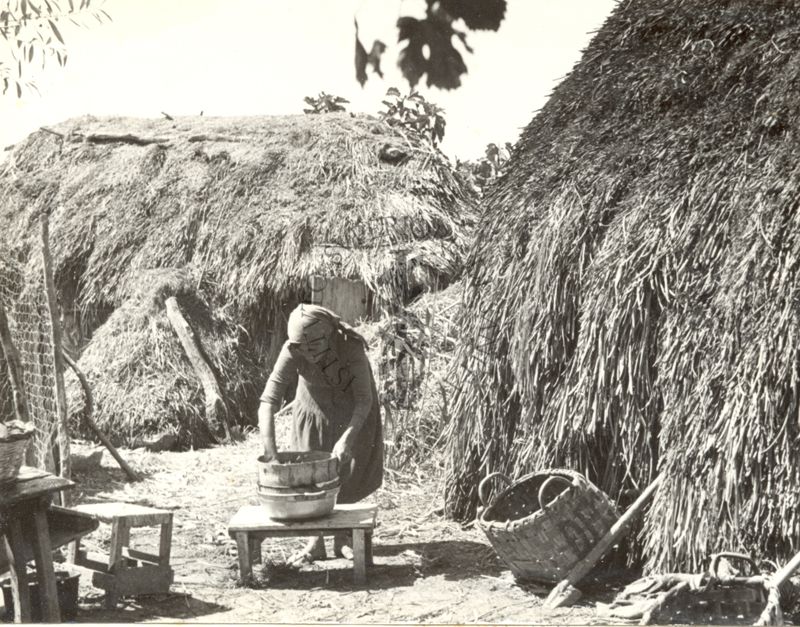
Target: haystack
(632,305)
(411,352)
(250,208)
(144,386)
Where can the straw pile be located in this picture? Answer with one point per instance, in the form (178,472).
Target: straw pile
(250,208)
(632,304)
(411,351)
(144,385)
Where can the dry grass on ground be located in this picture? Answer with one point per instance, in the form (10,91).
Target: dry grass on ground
(427,569)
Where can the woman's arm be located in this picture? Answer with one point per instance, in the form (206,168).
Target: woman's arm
(361,383)
(271,400)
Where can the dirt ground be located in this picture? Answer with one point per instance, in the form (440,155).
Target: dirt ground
(427,569)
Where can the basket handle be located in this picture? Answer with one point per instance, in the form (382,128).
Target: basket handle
(731,556)
(548,482)
(485,482)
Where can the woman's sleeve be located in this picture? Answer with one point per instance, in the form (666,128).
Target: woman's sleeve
(361,383)
(282,374)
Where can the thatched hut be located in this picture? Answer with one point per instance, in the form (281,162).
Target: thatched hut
(633,298)
(247,211)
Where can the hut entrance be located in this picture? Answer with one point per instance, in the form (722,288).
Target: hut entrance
(346,298)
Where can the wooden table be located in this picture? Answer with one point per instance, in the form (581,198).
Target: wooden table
(250,526)
(23,512)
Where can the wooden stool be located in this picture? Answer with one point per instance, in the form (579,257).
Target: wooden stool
(123,575)
(251,525)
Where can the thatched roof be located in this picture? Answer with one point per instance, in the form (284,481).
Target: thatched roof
(635,277)
(255,204)
(243,211)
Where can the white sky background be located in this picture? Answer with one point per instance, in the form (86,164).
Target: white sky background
(257,57)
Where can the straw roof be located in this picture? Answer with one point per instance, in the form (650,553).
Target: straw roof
(243,211)
(633,299)
(257,205)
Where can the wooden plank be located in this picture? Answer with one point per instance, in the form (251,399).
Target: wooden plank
(255,518)
(346,298)
(368,547)
(118,532)
(135,581)
(62,439)
(14,493)
(165,543)
(243,551)
(92,561)
(12,542)
(135,515)
(255,549)
(65,527)
(359,557)
(43,556)
(142,556)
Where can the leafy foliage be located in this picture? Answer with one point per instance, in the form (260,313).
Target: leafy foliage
(414,113)
(477,14)
(482,172)
(325,103)
(429,48)
(30,33)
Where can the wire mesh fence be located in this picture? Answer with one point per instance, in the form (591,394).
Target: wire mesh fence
(23,296)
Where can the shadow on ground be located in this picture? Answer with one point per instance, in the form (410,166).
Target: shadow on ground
(170,606)
(395,565)
(91,483)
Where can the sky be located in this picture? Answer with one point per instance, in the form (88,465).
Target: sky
(262,57)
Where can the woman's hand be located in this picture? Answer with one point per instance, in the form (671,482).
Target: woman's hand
(343,449)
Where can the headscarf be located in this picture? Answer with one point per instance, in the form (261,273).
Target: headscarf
(312,321)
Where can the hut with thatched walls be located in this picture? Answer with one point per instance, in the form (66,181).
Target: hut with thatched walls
(239,219)
(633,304)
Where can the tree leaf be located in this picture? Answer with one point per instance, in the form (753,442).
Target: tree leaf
(477,14)
(55,31)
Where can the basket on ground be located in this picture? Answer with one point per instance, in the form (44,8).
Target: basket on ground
(544,523)
(14,439)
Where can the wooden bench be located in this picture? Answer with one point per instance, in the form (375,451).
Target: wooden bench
(250,526)
(121,574)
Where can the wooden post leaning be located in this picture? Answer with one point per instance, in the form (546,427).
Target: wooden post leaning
(565,592)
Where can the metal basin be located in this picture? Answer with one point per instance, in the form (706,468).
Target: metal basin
(299,503)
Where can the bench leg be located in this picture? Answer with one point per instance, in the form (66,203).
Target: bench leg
(13,542)
(243,551)
(73,549)
(45,573)
(368,549)
(165,543)
(359,556)
(255,550)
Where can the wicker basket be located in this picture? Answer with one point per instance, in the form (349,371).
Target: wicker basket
(12,454)
(545,522)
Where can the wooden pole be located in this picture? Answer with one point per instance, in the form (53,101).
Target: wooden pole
(58,359)
(191,345)
(565,593)
(317,288)
(89,417)
(15,371)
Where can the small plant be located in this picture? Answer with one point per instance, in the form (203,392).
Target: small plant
(482,172)
(325,103)
(415,113)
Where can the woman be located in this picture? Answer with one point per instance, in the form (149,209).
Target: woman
(335,407)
